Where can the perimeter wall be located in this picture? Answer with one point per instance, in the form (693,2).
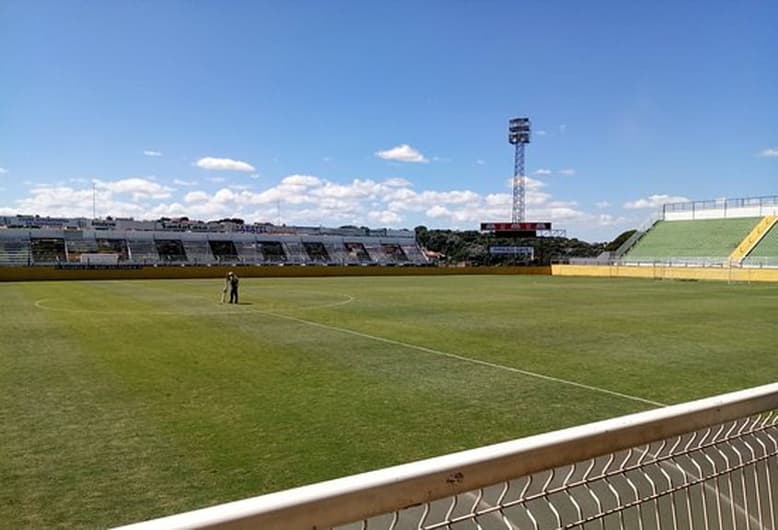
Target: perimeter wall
(671,273)
(16,274)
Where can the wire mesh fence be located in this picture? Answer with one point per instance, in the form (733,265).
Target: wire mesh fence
(720,477)
(708,464)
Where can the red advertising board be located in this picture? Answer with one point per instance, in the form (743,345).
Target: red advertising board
(514,227)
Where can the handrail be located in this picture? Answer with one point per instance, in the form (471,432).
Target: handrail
(359,497)
(741,202)
(639,233)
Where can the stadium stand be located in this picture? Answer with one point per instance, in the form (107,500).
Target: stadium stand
(272,252)
(768,246)
(375,251)
(413,252)
(197,248)
(394,253)
(246,247)
(316,251)
(224,251)
(77,244)
(141,248)
(294,250)
(48,250)
(170,250)
(113,246)
(753,238)
(32,240)
(14,251)
(765,253)
(337,251)
(357,253)
(715,238)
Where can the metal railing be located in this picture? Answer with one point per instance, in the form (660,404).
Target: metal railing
(681,262)
(722,204)
(760,263)
(678,261)
(644,227)
(710,464)
(703,262)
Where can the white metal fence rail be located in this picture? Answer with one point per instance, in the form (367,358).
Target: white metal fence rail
(710,464)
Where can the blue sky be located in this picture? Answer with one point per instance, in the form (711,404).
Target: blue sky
(385,113)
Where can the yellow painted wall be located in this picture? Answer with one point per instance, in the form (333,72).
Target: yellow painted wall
(670,273)
(50,273)
(291,271)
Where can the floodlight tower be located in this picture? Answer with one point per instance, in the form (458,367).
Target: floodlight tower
(518,136)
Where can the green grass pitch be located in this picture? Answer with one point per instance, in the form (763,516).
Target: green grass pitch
(123,401)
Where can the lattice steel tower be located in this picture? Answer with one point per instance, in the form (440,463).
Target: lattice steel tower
(519,135)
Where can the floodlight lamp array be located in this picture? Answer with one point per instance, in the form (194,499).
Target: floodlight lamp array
(519,131)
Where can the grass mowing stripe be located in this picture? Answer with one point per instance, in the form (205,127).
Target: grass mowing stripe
(454,355)
(463,358)
(234,403)
(68,422)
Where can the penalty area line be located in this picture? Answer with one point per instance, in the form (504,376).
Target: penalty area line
(465,359)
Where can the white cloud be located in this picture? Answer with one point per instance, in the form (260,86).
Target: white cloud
(653,201)
(605,219)
(196,196)
(480,162)
(71,202)
(3,171)
(226,195)
(358,189)
(224,164)
(769,152)
(149,152)
(602,204)
(310,200)
(543,172)
(139,188)
(384,217)
(529,183)
(402,153)
(179,182)
(568,172)
(438,211)
(499,200)
(301,180)
(407,199)
(254,176)
(216,180)
(397,182)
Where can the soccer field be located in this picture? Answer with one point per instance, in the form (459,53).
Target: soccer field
(125,400)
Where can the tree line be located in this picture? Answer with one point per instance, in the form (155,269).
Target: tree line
(472,247)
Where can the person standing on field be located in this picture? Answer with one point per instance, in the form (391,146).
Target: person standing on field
(232,285)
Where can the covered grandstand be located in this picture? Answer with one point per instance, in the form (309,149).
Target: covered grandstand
(77,242)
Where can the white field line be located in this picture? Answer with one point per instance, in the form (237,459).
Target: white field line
(41,304)
(395,343)
(463,358)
